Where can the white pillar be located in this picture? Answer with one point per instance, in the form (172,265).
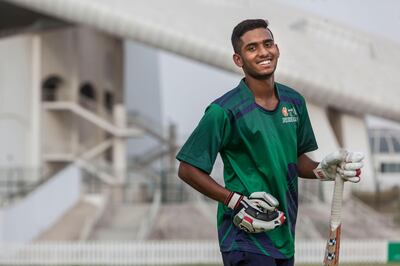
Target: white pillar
(19,110)
(327,143)
(119,144)
(355,138)
(36,153)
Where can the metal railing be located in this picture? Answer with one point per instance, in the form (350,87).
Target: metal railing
(17,182)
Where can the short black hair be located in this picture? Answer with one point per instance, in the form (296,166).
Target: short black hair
(245,26)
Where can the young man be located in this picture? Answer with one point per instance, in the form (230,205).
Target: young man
(262,131)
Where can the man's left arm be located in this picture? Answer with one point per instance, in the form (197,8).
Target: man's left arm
(305,166)
(345,163)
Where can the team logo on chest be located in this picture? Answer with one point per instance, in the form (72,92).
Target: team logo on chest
(289,115)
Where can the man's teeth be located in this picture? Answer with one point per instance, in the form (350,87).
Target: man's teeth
(265,62)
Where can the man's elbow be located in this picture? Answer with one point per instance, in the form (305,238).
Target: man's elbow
(182,171)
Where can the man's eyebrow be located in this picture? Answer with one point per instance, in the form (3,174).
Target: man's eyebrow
(255,43)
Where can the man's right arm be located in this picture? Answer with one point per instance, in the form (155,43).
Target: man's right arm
(202,182)
(255,214)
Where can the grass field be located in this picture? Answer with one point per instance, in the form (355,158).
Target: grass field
(341,264)
(301,264)
(355,264)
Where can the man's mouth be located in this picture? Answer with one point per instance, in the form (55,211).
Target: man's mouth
(266,62)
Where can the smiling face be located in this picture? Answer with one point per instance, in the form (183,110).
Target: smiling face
(258,54)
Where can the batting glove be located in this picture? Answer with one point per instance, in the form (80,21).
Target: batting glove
(257,213)
(347,164)
(350,168)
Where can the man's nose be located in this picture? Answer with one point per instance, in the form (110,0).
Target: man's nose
(263,51)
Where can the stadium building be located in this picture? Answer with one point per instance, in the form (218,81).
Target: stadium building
(87,120)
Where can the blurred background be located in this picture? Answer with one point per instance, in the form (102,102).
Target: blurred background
(97,96)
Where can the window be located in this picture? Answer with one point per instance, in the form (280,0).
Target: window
(88,91)
(50,86)
(108,101)
(396,144)
(383,145)
(390,167)
(87,96)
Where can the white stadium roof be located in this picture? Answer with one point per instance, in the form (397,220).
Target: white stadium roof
(329,63)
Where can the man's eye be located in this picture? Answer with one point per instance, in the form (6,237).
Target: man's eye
(251,48)
(268,44)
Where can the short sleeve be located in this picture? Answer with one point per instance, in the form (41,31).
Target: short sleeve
(210,135)
(305,135)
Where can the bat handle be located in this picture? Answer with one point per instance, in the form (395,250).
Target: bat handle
(337,200)
(333,245)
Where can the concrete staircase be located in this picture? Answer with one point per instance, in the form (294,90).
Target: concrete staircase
(77,222)
(196,220)
(122,223)
(358,221)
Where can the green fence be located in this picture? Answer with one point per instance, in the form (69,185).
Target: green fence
(394,252)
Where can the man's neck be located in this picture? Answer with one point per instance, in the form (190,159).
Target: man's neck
(264,92)
(264,89)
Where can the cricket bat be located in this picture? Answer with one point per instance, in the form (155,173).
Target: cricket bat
(333,244)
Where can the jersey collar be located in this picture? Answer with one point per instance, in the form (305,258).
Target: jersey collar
(248,93)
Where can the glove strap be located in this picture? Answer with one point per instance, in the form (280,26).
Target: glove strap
(319,173)
(233,200)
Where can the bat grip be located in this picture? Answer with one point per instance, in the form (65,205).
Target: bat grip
(337,202)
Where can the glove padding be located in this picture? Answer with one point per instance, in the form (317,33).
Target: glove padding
(257,213)
(350,169)
(347,164)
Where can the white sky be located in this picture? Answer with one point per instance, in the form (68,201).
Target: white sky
(380,17)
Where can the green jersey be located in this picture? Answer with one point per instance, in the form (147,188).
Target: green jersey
(259,149)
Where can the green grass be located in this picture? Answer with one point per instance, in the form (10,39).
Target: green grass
(341,264)
(356,264)
(301,264)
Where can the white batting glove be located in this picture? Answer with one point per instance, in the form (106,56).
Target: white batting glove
(257,213)
(264,201)
(350,168)
(347,164)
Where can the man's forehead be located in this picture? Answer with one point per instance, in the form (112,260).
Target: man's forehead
(255,35)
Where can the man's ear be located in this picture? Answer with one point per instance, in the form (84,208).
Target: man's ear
(237,59)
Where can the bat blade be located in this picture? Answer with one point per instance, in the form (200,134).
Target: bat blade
(332,248)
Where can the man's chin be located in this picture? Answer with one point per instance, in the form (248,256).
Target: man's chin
(261,76)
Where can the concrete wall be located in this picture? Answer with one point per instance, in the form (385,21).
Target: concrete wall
(24,220)
(17,130)
(327,143)
(79,56)
(60,136)
(59,58)
(353,134)
(355,137)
